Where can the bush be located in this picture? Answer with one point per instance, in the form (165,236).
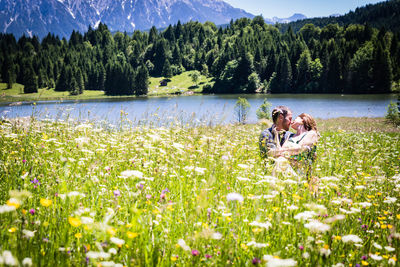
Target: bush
(263,112)
(242,108)
(393,113)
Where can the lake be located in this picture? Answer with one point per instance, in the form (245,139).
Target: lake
(211,109)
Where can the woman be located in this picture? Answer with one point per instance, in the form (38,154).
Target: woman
(300,149)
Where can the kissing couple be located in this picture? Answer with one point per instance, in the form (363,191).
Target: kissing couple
(292,153)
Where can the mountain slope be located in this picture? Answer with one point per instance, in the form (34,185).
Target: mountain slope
(38,17)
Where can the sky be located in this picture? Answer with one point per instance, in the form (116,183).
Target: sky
(309,8)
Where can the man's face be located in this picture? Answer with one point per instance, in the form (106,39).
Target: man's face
(286,121)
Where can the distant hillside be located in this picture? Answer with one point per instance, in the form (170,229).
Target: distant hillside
(385,14)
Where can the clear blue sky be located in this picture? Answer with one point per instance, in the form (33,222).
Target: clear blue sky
(310,8)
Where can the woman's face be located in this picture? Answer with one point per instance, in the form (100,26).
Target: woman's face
(296,123)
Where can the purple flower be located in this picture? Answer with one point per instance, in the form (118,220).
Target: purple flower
(35,181)
(24,160)
(364,226)
(256,261)
(365,257)
(148,196)
(162,196)
(32,211)
(301,247)
(117,193)
(208,256)
(195,252)
(357,265)
(166,190)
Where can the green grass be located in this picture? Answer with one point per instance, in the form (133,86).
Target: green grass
(73,197)
(179,84)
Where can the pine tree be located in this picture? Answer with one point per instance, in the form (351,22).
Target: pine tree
(30,79)
(142,81)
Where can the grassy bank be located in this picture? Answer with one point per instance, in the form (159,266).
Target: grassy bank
(74,195)
(179,84)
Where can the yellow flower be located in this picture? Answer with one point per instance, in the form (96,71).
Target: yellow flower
(383,226)
(23,211)
(12,229)
(45,202)
(276,209)
(389,226)
(364,263)
(78,235)
(229,219)
(256,230)
(75,222)
(111,231)
(338,237)
(13,203)
(174,258)
(398,216)
(326,246)
(244,246)
(131,234)
(45,224)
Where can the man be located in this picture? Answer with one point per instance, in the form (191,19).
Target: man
(273,138)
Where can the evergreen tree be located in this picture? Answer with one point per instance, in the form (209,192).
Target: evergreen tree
(142,81)
(30,79)
(381,70)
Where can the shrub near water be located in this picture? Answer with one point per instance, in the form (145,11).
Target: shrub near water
(74,195)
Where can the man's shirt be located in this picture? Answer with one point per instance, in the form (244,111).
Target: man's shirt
(267,140)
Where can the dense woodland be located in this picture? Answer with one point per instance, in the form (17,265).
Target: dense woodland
(247,56)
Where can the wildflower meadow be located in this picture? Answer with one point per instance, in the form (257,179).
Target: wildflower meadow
(75,194)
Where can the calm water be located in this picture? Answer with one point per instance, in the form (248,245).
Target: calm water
(200,108)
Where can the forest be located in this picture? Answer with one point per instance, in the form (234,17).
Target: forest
(247,56)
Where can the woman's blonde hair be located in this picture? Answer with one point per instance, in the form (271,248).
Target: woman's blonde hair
(308,122)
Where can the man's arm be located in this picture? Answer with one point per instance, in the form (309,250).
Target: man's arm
(267,144)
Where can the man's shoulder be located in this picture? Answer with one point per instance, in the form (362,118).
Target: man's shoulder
(266,132)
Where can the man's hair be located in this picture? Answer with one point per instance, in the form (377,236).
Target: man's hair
(284,110)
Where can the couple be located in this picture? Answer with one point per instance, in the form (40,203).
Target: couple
(290,149)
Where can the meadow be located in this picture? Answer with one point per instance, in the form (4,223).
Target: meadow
(178,84)
(75,194)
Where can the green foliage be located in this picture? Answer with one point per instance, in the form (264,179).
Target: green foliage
(239,58)
(393,113)
(242,108)
(264,111)
(195,75)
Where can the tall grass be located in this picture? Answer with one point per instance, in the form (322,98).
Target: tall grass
(75,194)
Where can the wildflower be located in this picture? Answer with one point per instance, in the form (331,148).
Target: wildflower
(275,262)
(75,222)
(317,226)
(305,215)
(12,229)
(234,197)
(183,245)
(12,202)
(78,235)
(28,234)
(389,249)
(266,225)
(195,252)
(301,247)
(131,235)
(376,257)
(199,170)
(351,238)
(45,202)
(117,193)
(376,245)
(256,261)
(364,263)
(32,211)
(130,173)
(325,252)
(256,245)
(97,255)
(87,220)
(117,241)
(35,181)
(27,262)
(174,257)
(6,208)
(9,259)
(216,236)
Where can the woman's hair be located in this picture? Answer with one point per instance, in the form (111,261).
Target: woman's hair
(308,122)
(279,110)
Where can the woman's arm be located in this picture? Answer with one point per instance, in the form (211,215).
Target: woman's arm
(308,141)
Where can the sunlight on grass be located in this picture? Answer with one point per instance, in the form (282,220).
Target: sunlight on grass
(75,194)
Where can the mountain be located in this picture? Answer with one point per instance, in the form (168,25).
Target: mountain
(61,17)
(384,14)
(294,17)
